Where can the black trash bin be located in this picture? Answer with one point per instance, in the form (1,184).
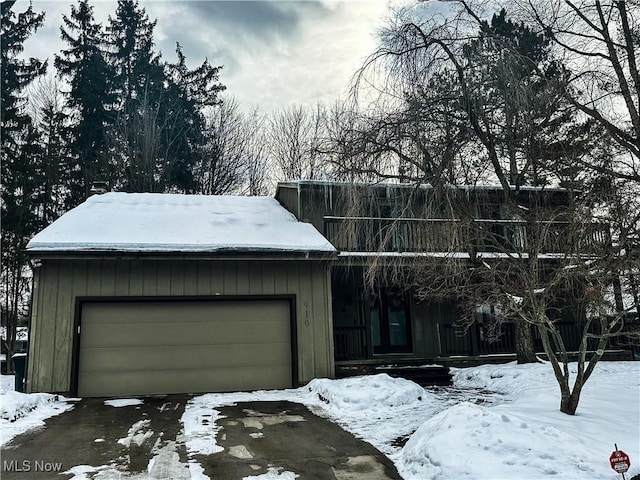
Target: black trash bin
(20,367)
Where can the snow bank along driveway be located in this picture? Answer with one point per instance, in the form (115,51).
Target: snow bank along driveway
(20,412)
(497,422)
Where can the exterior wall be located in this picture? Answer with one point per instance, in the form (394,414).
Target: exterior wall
(426,317)
(288,198)
(311,202)
(429,317)
(59,282)
(353,217)
(405,218)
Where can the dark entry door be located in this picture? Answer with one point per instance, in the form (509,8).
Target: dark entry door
(390,321)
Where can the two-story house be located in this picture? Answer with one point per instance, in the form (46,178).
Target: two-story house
(391,225)
(139,293)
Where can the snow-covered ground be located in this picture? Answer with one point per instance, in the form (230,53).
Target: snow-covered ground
(496,422)
(20,412)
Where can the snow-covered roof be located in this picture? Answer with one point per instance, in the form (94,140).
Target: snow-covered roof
(154,222)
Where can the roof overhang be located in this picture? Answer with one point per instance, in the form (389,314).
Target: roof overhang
(228,254)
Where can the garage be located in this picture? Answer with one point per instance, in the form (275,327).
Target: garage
(149,293)
(155,347)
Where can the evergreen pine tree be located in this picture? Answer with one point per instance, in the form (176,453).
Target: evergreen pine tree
(516,93)
(83,64)
(19,166)
(138,88)
(15,74)
(157,135)
(187,93)
(130,39)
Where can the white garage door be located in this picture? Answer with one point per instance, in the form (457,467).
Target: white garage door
(143,348)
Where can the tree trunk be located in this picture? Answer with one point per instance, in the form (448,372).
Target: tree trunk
(569,402)
(525,353)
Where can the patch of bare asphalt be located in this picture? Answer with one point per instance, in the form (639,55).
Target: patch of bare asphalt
(261,436)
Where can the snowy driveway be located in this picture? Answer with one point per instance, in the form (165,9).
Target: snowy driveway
(153,438)
(496,422)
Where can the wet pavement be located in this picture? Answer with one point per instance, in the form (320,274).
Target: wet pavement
(146,441)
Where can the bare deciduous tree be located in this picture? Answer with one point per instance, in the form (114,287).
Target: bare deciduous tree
(47,109)
(139,151)
(601,40)
(233,159)
(550,264)
(487,92)
(511,97)
(295,134)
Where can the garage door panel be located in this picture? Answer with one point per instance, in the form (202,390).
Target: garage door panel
(147,358)
(216,331)
(169,312)
(163,382)
(137,348)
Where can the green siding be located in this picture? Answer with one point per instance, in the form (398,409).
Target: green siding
(288,198)
(59,282)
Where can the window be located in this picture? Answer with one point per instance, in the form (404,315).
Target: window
(390,321)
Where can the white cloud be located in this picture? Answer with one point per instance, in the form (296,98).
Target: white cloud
(274,52)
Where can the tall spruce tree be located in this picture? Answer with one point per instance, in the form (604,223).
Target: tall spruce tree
(136,137)
(157,134)
(16,73)
(19,159)
(84,66)
(130,39)
(187,93)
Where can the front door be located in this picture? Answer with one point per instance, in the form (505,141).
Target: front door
(389,316)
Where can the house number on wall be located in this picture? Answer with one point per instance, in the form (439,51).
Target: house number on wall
(306,313)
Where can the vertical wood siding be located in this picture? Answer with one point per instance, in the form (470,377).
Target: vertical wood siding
(60,282)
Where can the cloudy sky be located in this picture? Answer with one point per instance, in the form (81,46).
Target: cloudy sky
(274,53)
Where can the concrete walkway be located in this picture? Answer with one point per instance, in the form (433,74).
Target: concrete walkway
(145,442)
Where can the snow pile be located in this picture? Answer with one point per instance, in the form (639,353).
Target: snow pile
(137,434)
(155,222)
(20,412)
(357,393)
(471,441)
(510,379)
(378,408)
(496,422)
(16,405)
(524,435)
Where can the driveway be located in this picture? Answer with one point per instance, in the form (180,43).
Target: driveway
(146,441)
